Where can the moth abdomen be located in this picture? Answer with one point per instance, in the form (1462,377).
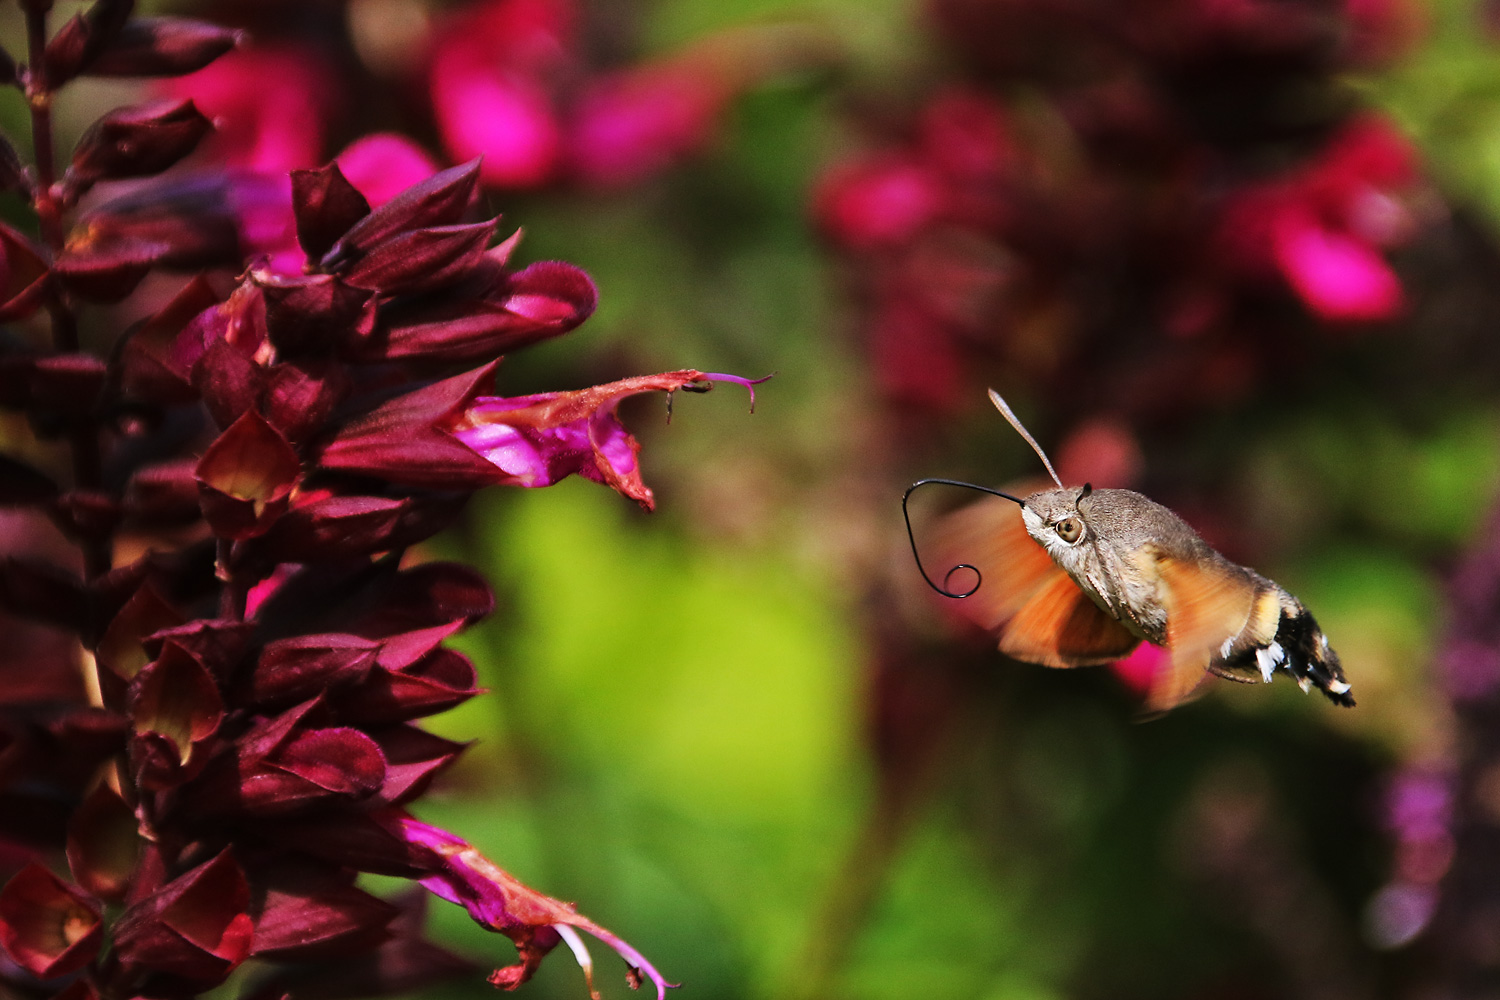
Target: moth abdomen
(1297,646)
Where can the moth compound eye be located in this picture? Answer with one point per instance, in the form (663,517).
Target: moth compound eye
(1069,529)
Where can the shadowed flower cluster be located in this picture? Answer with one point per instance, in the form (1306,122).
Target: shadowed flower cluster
(1192,172)
(223,643)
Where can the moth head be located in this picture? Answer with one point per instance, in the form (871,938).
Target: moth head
(1058,519)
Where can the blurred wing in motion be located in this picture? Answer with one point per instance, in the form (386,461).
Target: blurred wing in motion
(1035,609)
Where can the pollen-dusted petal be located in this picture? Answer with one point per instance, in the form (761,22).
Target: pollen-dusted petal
(246,476)
(326,206)
(46,925)
(103,844)
(294,669)
(193,931)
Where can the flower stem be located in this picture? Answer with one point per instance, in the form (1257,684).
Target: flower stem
(88,462)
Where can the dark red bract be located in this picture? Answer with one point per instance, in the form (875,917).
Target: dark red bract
(220,735)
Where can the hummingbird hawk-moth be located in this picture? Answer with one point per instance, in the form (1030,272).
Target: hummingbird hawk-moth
(1079,577)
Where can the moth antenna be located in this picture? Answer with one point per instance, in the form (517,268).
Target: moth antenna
(1005,411)
(912,537)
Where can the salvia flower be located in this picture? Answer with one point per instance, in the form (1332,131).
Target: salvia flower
(228,732)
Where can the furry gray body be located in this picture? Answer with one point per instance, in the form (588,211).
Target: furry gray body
(1114,559)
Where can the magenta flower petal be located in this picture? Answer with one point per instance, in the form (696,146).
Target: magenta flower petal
(1339,276)
(497,900)
(383,164)
(538,440)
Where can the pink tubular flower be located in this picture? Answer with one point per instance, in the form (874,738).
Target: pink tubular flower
(271,106)
(537,440)
(491,83)
(1324,228)
(383,165)
(497,900)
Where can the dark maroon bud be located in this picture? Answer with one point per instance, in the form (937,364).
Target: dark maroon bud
(306,912)
(26,274)
(121,650)
(422,259)
(21,485)
(174,706)
(163,494)
(400,651)
(332,528)
(428,595)
(103,844)
(68,383)
(282,767)
(189,934)
(87,513)
(41,591)
(541,301)
(245,478)
(352,840)
(239,320)
(106,272)
(299,398)
(228,381)
(437,682)
(405,964)
(192,217)
(413,758)
(152,369)
(217,643)
(426,514)
(163,46)
(440,200)
(83,39)
(137,142)
(316,313)
(327,206)
(46,925)
(292,670)
(401,440)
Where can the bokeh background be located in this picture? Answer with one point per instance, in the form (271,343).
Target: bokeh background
(1238,254)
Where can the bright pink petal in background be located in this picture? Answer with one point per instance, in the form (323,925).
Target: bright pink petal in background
(270,106)
(383,164)
(1338,276)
